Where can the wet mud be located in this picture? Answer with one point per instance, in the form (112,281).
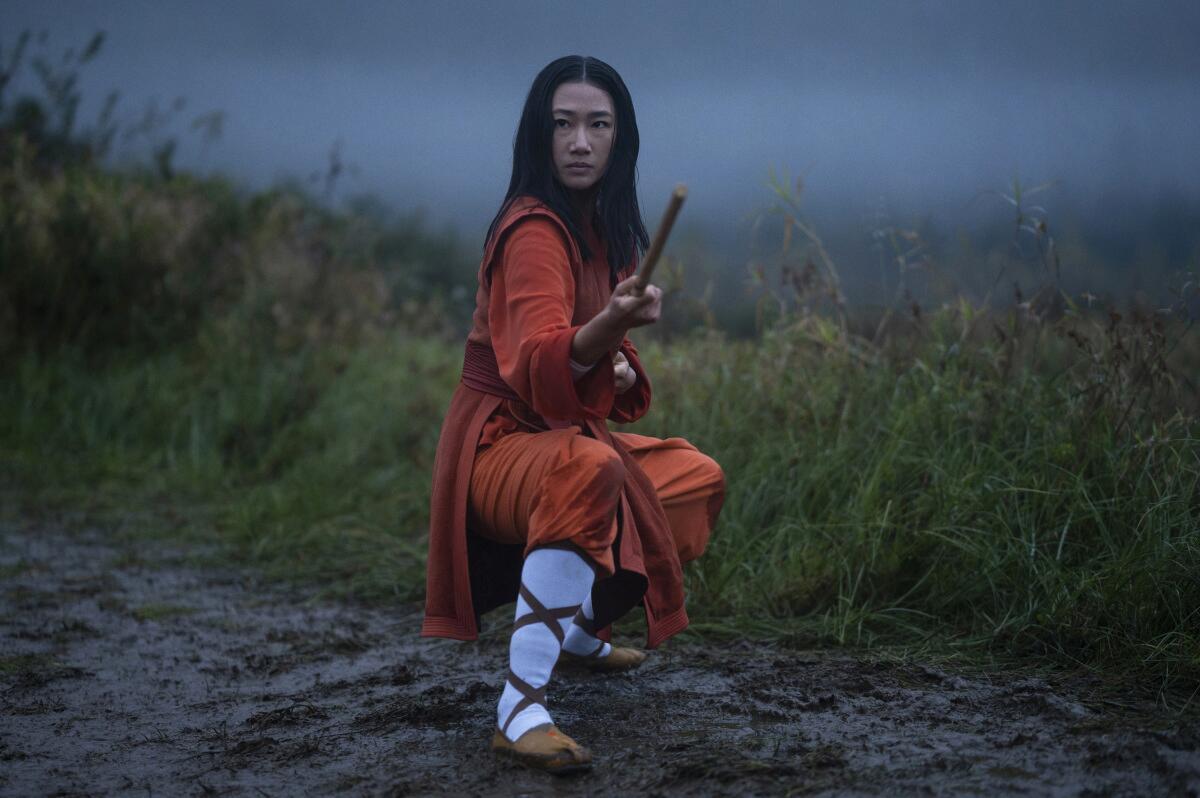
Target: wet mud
(126,670)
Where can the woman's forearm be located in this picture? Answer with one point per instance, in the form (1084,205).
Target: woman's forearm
(596,339)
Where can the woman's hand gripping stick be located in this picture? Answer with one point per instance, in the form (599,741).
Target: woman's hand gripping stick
(634,303)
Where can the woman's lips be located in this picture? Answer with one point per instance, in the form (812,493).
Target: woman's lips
(579,166)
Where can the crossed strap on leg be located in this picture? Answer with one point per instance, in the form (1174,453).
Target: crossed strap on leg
(548,617)
(589,626)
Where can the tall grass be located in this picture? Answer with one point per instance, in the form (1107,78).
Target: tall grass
(875,503)
(315,465)
(938,501)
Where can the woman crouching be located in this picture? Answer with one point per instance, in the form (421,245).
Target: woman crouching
(534,498)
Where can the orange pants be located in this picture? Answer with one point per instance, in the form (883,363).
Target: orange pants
(548,487)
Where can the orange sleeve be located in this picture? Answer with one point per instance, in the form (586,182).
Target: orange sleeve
(531,305)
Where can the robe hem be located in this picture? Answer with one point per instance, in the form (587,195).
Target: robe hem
(447,627)
(666,627)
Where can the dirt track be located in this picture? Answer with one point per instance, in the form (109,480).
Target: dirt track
(129,672)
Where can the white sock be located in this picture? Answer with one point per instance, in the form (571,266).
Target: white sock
(556,581)
(581,638)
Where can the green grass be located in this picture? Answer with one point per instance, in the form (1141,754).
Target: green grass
(940,498)
(315,465)
(21,664)
(15,569)
(943,503)
(160,611)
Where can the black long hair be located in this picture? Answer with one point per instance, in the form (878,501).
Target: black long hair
(619,220)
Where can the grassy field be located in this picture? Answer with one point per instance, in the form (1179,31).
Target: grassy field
(940,503)
(969,480)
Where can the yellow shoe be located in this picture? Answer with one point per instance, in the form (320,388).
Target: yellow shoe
(619,658)
(545,748)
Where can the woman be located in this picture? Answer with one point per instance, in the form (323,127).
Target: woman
(534,499)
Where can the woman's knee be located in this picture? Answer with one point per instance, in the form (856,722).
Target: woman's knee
(707,473)
(598,464)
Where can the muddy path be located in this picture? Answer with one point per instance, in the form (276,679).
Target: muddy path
(126,670)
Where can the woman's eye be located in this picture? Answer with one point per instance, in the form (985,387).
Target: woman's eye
(602,123)
(560,123)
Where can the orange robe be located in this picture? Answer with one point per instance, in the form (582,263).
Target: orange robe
(501,438)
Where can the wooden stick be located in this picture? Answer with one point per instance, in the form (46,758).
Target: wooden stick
(660,236)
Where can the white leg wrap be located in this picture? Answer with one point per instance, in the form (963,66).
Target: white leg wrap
(554,582)
(581,635)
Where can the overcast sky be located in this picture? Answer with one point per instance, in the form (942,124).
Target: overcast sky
(914,105)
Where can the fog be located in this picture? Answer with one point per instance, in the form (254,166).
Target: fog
(907,106)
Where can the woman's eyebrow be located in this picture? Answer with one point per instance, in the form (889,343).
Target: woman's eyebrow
(591,114)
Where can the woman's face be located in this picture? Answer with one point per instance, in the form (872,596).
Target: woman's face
(584,127)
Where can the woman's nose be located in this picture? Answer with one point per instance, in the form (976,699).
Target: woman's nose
(580,141)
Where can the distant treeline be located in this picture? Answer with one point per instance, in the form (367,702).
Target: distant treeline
(1114,250)
(145,256)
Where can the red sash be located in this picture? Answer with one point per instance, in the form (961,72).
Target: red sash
(482,373)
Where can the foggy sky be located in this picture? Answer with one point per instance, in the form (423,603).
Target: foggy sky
(911,105)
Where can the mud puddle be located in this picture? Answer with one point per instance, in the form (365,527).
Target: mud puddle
(127,671)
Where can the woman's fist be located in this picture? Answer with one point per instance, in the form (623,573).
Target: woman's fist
(629,307)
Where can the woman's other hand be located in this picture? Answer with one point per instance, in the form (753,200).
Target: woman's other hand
(623,374)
